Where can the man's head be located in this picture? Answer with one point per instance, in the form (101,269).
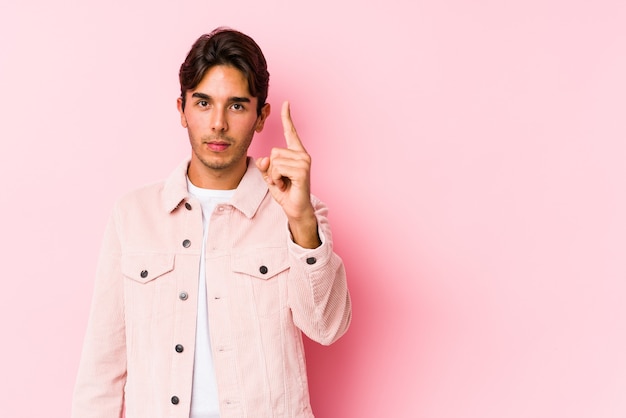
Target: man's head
(224,83)
(228,47)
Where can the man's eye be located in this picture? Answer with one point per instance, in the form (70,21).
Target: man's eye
(203,103)
(237,106)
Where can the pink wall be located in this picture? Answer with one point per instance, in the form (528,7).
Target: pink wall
(472,154)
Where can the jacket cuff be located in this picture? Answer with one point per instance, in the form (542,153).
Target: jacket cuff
(310,256)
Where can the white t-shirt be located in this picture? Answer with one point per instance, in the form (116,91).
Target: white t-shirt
(204,399)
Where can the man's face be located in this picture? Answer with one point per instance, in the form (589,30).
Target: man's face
(221,117)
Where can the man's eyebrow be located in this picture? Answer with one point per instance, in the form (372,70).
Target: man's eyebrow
(239,99)
(234,99)
(201,96)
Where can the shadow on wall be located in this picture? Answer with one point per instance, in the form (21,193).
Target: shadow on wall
(378,360)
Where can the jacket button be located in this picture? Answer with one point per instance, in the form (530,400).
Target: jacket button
(175,400)
(186,243)
(187,205)
(311,260)
(179,348)
(183,296)
(144,274)
(263,269)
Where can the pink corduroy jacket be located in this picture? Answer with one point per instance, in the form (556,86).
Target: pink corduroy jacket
(262,290)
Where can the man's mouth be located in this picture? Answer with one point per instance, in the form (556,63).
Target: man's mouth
(217,146)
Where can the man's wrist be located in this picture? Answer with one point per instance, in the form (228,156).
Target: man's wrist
(304,232)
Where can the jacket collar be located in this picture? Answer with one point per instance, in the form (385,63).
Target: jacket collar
(249,194)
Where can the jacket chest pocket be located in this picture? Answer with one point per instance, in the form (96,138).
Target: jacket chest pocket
(262,273)
(149,278)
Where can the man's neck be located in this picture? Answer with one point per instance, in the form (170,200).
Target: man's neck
(207,178)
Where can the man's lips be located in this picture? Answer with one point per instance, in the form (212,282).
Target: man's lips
(217,146)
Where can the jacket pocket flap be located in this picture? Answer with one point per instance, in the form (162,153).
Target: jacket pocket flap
(146,267)
(262,263)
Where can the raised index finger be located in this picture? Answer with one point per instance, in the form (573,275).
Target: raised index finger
(291,136)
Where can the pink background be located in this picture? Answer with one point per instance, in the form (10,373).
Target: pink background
(471,152)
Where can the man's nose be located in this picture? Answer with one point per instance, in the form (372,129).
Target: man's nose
(218,120)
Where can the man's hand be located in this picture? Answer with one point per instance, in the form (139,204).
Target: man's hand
(288,175)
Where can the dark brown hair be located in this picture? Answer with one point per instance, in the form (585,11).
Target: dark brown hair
(225,46)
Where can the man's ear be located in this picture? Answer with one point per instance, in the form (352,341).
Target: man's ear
(179,105)
(260,122)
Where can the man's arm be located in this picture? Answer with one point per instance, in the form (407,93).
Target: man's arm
(99,390)
(317,289)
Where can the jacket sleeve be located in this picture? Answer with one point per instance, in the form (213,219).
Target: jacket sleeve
(99,389)
(318,291)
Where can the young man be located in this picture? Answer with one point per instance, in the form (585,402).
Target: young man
(207,280)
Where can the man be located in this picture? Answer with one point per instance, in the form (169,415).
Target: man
(206,281)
